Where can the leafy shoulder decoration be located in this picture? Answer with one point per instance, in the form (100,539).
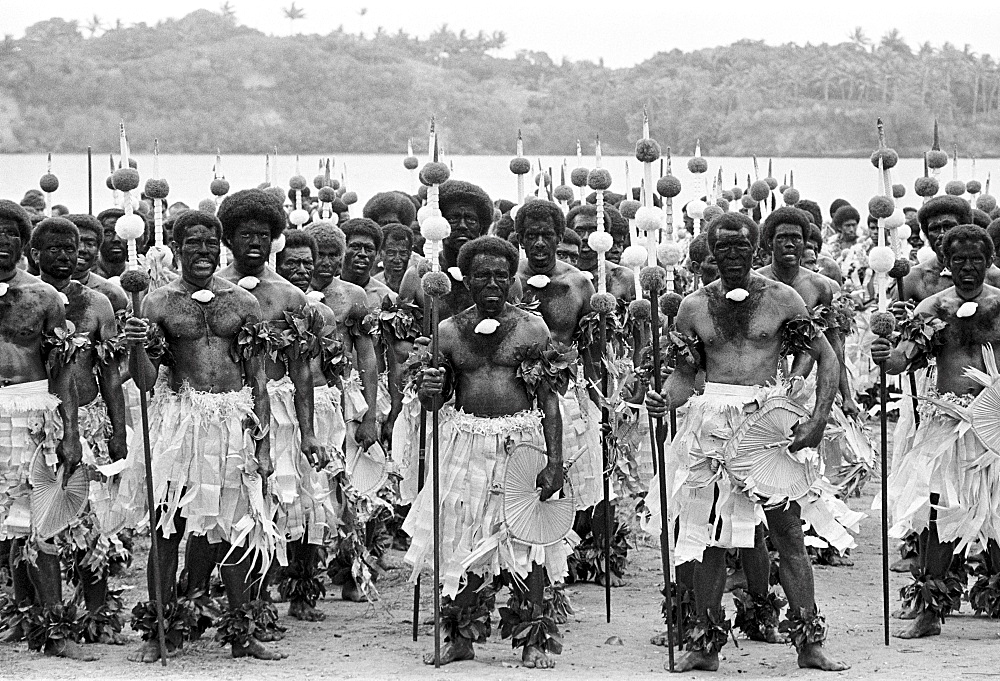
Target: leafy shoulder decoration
(684,349)
(843,314)
(61,345)
(302,332)
(255,339)
(798,334)
(588,331)
(157,347)
(400,321)
(926,335)
(332,358)
(551,366)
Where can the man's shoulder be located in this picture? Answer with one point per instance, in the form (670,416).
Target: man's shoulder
(33,284)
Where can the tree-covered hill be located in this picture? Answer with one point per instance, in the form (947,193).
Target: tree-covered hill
(205,82)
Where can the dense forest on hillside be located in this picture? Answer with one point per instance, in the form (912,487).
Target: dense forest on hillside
(205,82)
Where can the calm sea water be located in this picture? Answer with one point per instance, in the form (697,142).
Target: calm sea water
(821,180)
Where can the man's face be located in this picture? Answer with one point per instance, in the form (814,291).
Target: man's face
(297,266)
(540,241)
(968,265)
(86,255)
(619,241)
(489,282)
(810,260)
(464,226)
(360,255)
(10,244)
(937,226)
(568,253)
(57,255)
(849,230)
(915,240)
(708,270)
(395,256)
(787,245)
(329,261)
(585,225)
(251,244)
(199,252)
(873,230)
(113,249)
(734,255)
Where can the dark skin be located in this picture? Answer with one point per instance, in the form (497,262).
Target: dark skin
(963,347)
(29,310)
(568,253)
(86,259)
(620,280)
(486,384)
(199,336)
(787,248)
(396,254)
(751,357)
(329,258)
(114,251)
(295,264)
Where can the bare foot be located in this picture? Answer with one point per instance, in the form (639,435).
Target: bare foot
(69,650)
(616,581)
(770,635)
(150,652)
(301,610)
(536,658)
(926,624)
(909,613)
(266,636)
(903,564)
(453,652)
(812,656)
(839,561)
(387,562)
(660,639)
(258,652)
(695,660)
(114,639)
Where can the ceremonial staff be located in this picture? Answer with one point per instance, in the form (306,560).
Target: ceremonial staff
(90,180)
(130,227)
(49,183)
(599,179)
(883,323)
(435,284)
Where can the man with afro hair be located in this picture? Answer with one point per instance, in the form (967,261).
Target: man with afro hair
(620,280)
(251,220)
(484,349)
(330,246)
(397,255)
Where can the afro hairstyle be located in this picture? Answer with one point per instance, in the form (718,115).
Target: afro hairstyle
(786,215)
(504,205)
(698,249)
(587,210)
(57,226)
(811,207)
(109,214)
(980,218)
(487,245)
(327,235)
(251,204)
(815,239)
(541,210)
(19,216)
(733,222)
(457,192)
(837,205)
(89,222)
(298,238)
(619,223)
(386,203)
(944,205)
(34,199)
(994,231)
(364,226)
(396,231)
(191,218)
(845,213)
(504,227)
(967,233)
(572,238)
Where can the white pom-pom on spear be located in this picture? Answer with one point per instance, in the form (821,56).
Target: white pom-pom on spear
(130,227)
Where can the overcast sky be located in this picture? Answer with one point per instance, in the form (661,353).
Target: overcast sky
(623,33)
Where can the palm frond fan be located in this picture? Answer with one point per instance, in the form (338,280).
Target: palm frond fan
(758,459)
(984,410)
(55,505)
(530,520)
(368,469)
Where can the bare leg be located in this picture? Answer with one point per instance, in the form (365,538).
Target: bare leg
(685,582)
(936,557)
(709,585)
(757,568)
(796,577)
(303,556)
(46,577)
(534,657)
(461,649)
(169,548)
(241,589)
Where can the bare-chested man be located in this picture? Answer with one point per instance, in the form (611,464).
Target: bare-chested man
(295,263)
(208,434)
(113,255)
(91,238)
(620,280)
(348,303)
(397,254)
(54,244)
(739,325)
(38,417)
(251,220)
(944,488)
(493,410)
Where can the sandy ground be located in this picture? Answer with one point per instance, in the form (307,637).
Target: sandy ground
(360,641)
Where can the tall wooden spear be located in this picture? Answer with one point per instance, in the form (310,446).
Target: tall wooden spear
(90,180)
(130,227)
(421,466)
(435,283)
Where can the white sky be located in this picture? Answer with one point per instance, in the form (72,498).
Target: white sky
(622,33)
